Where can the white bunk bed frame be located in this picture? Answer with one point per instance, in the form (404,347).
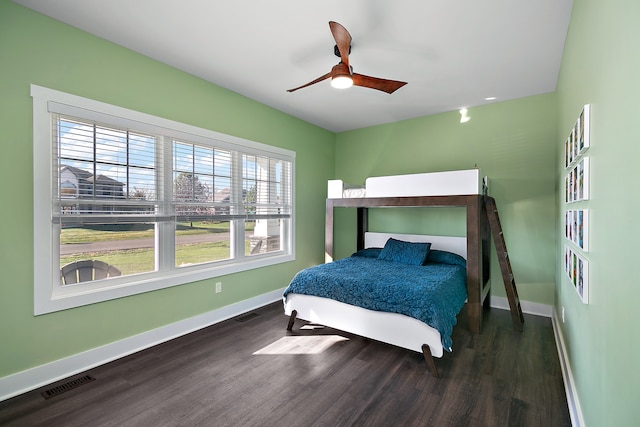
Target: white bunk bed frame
(392,328)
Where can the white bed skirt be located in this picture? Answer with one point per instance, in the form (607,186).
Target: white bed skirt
(391,328)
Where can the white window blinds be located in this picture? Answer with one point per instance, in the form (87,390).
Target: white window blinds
(217,184)
(103,173)
(107,174)
(265,190)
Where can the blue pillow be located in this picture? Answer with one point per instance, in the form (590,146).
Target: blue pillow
(445,257)
(368,252)
(411,253)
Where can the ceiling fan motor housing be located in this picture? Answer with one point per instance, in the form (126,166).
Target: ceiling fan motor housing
(340,69)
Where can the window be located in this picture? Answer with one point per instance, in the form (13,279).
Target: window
(125,202)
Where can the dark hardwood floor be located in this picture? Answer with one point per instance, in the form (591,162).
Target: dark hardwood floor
(254,373)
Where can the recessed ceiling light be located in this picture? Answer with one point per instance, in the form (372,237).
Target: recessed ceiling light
(463,115)
(490,98)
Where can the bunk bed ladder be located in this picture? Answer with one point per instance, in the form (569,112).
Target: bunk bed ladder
(505,264)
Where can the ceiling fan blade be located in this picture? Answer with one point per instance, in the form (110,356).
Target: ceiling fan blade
(319,79)
(384,85)
(343,40)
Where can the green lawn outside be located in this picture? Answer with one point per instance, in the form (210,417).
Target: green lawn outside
(132,261)
(142,231)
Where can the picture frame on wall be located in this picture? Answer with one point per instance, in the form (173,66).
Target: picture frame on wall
(577,182)
(582,234)
(577,269)
(583,178)
(583,133)
(582,281)
(576,226)
(579,137)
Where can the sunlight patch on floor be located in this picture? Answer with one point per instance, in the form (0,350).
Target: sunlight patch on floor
(302,344)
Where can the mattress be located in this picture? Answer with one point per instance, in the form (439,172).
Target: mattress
(447,183)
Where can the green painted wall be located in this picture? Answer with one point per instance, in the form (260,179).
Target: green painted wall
(39,50)
(601,66)
(514,143)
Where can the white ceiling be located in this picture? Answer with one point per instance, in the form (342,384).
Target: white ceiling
(452,53)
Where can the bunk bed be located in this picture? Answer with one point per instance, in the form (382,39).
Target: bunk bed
(463,189)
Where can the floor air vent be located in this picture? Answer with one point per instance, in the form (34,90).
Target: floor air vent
(247,317)
(69,385)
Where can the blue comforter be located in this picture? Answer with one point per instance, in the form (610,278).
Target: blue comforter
(433,293)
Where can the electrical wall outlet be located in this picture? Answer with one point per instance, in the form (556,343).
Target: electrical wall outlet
(219,289)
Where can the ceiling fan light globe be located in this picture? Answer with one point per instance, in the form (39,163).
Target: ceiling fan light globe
(342,82)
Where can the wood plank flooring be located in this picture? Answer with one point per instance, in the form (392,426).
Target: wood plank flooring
(255,373)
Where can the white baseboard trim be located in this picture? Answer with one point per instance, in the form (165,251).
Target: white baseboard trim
(528,307)
(33,378)
(575,410)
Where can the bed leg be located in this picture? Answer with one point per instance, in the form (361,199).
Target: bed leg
(292,319)
(429,359)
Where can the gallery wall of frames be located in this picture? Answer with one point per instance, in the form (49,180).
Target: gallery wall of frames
(576,212)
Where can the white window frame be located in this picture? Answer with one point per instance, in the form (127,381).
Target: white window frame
(49,294)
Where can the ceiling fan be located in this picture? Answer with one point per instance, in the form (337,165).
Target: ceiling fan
(342,75)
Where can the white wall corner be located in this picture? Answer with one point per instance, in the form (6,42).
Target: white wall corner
(528,307)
